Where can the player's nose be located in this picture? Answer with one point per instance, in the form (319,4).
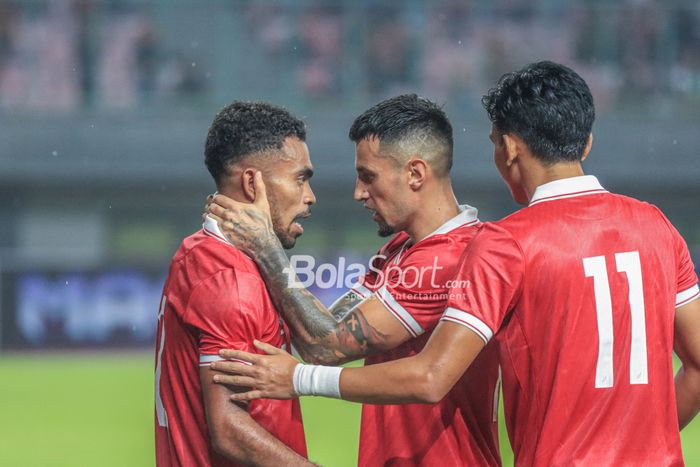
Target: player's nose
(360,193)
(309,196)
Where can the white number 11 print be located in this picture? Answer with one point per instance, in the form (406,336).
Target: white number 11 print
(629,264)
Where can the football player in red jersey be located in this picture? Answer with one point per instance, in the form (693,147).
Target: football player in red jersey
(587,293)
(403,162)
(214,298)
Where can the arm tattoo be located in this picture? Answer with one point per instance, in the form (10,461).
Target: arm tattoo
(346,303)
(320,335)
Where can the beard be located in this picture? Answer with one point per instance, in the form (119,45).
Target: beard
(385,230)
(286,239)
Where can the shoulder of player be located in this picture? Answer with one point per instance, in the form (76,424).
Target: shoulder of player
(502,232)
(205,256)
(448,246)
(642,208)
(457,238)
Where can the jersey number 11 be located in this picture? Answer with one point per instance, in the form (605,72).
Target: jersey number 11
(629,264)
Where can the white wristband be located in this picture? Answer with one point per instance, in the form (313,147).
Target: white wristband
(317,380)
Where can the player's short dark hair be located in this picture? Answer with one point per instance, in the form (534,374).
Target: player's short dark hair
(246,128)
(546,104)
(407,117)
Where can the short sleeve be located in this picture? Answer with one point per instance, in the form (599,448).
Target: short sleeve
(686,280)
(215,310)
(415,291)
(488,282)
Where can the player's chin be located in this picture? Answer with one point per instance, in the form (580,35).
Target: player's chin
(385,230)
(290,239)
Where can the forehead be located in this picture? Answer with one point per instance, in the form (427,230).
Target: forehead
(296,154)
(367,155)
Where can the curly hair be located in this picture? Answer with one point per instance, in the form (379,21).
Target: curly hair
(242,129)
(546,104)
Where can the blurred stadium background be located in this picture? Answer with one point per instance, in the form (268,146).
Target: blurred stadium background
(104,107)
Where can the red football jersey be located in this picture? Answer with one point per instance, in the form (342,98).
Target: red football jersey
(583,285)
(413,283)
(214,298)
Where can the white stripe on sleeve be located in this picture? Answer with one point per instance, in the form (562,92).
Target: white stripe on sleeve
(361,290)
(205,360)
(470,321)
(687,296)
(409,322)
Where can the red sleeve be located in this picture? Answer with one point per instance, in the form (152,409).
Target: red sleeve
(368,284)
(415,291)
(686,280)
(488,282)
(224,316)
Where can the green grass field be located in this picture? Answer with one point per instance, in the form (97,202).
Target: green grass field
(81,410)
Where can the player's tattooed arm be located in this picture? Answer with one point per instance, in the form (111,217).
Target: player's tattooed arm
(323,336)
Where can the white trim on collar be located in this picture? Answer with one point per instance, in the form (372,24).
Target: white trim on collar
(567,188)
(467,215)
(211,228)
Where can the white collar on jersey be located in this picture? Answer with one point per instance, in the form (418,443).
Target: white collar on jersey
(567,188)
(467,215)
(211,228)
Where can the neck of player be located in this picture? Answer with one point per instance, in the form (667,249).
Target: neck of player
(539,175)
(440,208)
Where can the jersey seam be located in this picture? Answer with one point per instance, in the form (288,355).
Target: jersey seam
(512,306)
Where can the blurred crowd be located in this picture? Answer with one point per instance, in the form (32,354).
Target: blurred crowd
(64,55)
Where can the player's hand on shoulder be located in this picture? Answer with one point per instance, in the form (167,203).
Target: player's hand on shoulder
(269,376)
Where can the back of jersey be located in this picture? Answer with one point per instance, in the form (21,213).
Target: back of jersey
(590,335)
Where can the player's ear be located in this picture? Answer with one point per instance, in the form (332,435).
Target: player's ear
(588,147)
(511,143)
(417,169)
(248,183)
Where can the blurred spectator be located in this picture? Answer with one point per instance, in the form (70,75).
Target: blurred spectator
(454,49)
(270,26)
(179,77)
(125,69)
(639,29)
(41,67)
(322,50)
(389,51)
(685,73)
(64,55)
